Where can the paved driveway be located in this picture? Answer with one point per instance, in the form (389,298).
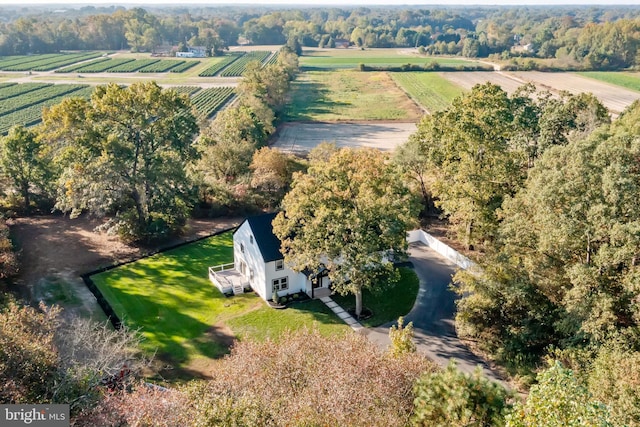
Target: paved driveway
(433,315)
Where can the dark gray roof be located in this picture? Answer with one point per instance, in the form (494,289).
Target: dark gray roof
(267,242)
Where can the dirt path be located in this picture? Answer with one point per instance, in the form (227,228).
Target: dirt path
(56,250)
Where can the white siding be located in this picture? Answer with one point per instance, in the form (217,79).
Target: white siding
(252,257)
(297,281)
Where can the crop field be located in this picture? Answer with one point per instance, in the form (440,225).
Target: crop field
(615,98)
(222,63)
(273,59)
(162,66)
(189,90)
(102,66)
(328,59)
(623,79)
(238,66)
(299,138)
(51,63)
(208,101)
(11,61)
(133,66)
(26,108)
(430,90)
(184,67)
(77,67)
(349,95)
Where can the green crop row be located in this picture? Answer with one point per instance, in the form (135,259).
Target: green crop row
(430,90)
(160,66)
(273,59)
(63,61)
(189,90)
(209,101)
(237,68)
(132,66)
(36,96)
(218,66)
(76,67)
(102,66)
(17,90)
(30,113)
(10,61)
(184,67)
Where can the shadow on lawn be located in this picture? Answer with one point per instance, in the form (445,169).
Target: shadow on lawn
(309,99)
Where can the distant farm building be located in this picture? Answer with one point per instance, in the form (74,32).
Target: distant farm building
(193,52)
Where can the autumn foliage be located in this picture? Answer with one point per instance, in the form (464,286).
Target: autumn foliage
(304,379)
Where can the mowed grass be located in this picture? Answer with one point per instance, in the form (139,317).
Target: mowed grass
(627,80)
(389,304)
(430,90)
(266,322)
(180,313)
(327,59)
(348,95)
(169,297)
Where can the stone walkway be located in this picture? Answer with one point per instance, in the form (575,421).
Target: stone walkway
(339,311)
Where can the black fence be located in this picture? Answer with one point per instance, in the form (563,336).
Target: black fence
(102,301)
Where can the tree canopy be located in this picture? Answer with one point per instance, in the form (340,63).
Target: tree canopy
(349,213)
(125,152)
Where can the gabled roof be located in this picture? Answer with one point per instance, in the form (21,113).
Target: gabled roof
(267,242)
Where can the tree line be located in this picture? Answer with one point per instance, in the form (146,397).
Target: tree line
(577,37)
(545,189)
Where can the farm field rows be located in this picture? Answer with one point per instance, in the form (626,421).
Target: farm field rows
(209,101)
(237,67)
(51,63)
(219,65)
(27,108)
(430,90)
(349,95)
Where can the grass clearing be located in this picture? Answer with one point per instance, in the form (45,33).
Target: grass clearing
(180,313)
(618,78)
(328,59)
(348,95)
(266,322)
(388,305)
(429,89)
(170,298)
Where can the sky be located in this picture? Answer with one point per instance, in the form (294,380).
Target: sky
(326,2)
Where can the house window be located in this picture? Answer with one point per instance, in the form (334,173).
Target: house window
(279,264)
(251,239)
(242,247)
(280,284)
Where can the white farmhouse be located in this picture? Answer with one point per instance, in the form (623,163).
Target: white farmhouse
(259,265)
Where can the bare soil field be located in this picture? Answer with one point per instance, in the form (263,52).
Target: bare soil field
(55,250)
(300,137)
(615,98)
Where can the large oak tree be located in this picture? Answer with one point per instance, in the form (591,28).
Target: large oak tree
(125,152)
(350,213)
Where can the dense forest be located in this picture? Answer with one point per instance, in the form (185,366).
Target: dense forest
(577,37)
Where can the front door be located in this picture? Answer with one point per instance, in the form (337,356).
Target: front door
(316,282)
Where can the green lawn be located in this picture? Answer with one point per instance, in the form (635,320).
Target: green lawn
(628,80)
(348,95)
(169,297)
(266,322)
(387,306)
(430,90)
(326,59)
